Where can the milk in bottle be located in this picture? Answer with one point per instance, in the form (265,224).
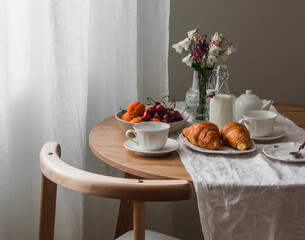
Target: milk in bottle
(221,105)
(221,112)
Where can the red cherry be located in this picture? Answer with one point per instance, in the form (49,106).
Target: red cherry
(151,111)
(146,116)
(166,120)
(160,108)
(176,115)
(166,116)
(157,116)
(156,104)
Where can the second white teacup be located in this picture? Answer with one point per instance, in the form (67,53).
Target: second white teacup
(260,123)
(150,135)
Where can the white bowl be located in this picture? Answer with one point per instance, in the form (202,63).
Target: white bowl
(173,126)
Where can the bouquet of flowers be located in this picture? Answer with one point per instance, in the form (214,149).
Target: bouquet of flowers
(202,55)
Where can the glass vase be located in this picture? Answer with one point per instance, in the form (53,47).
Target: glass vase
(195,99)
(192,96)
(203,106)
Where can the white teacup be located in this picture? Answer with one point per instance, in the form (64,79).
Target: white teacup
(260,123)
(150,135)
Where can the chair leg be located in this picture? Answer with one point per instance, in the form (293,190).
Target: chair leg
(124,220)
(138,220)
(47,209)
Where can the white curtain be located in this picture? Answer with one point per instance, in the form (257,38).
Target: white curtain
(128,50)
(64,66)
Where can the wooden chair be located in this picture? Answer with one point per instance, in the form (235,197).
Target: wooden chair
(56,172)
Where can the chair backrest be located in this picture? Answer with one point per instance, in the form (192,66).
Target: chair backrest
(65,175)
(56,172)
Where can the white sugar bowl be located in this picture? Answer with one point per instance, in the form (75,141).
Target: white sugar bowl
(248,101)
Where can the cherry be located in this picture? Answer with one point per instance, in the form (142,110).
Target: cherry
(176,115)
(156,104)
(160,108)
(166,120)
(157,115)
(151,111)
(166,116)
(146,116)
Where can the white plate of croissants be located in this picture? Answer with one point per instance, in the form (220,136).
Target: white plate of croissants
(233,138)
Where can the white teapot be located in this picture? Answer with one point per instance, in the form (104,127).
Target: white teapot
(248,101)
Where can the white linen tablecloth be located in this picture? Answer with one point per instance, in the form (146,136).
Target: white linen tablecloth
(249,196)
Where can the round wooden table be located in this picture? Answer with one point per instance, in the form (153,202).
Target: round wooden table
(107,139)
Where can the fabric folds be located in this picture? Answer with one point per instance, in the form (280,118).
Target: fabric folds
(249,196)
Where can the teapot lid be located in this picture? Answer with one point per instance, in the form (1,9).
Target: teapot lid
(248,92)
(249,95)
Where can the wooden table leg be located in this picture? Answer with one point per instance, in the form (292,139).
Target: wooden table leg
(125,217)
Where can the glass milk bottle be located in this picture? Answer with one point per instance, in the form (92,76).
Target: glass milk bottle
(221,104)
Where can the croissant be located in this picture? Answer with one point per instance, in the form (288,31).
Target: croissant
(204,134)
(236,135)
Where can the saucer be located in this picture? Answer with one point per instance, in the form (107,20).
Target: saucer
(280,151)
(170,146)
(277,132)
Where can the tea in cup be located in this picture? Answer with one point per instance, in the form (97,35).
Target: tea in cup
(149,135)
(260,123)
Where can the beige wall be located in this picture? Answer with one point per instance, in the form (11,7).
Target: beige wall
(269,35)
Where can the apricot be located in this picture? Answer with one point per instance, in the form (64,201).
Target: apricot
(136,109)
(155,120)
(136,120)
(127,117)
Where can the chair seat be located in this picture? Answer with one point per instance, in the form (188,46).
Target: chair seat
(149,235)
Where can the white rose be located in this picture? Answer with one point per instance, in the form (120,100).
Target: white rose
(211,61)
(178,48)
(214,50)
(191,33)
(185,44)
(188,60)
